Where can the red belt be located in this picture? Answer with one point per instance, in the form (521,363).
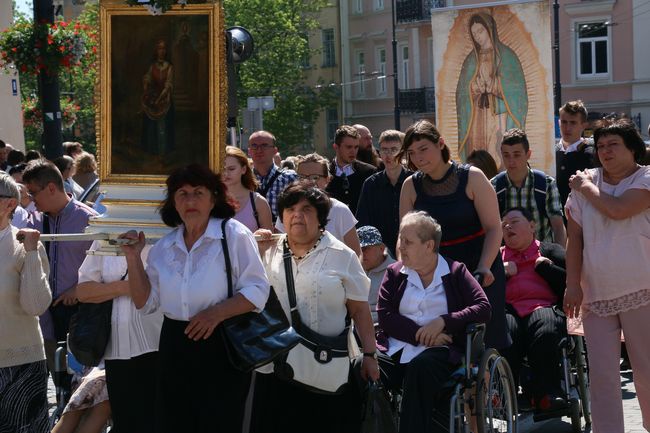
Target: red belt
(463,239)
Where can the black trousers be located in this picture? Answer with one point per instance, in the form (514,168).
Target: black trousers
(280,407)
(537,337)
(133,392)
(201,392)
(425,406)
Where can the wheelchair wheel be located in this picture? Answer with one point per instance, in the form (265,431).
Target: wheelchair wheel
(496,400)
(576,416)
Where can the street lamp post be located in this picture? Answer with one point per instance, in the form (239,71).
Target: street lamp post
(556,51)
(395,81)
(52,139)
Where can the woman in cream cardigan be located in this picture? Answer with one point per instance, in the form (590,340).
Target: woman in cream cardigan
(24,295)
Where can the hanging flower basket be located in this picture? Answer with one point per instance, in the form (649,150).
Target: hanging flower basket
(32,48)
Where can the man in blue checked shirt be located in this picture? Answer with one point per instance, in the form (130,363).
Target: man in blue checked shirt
(272,180)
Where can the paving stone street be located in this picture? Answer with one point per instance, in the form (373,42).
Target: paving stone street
(633,422)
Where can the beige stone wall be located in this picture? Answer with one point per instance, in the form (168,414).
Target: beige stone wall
(11,122)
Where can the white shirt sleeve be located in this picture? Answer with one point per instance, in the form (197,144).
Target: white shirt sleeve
(91,268)
(153,301)
(249,276)
(355,280)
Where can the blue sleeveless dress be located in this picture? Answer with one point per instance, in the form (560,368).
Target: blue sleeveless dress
(462,237)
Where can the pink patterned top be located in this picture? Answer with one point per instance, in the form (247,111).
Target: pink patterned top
(616,253)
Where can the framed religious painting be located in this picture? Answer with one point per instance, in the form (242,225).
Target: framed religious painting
(492,68)
(162,90)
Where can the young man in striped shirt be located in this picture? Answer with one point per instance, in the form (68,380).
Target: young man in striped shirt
(522,186)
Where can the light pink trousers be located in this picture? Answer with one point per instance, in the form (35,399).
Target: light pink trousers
(604,351)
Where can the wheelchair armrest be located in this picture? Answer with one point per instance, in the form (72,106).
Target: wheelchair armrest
(473,328)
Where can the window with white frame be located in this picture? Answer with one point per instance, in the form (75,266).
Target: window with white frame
(381,69)
(404,70)
(379,5)
(592,49)
(361,72)
(358,6)
(329,48)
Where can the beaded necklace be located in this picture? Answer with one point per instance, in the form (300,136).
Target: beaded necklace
(298,258)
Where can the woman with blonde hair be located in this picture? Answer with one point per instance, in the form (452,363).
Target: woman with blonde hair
(253,210)
(86,169)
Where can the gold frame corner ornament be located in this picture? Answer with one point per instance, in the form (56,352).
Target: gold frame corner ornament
(217,96)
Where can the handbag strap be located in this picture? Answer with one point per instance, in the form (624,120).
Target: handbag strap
(226,255)
(251,196)
(291,288)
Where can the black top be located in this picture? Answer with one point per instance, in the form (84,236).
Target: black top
(379,206)
(566,165)
(348,188)
(446,200)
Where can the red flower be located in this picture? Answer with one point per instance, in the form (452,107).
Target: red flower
(14,49)
(50,39)
(23,68)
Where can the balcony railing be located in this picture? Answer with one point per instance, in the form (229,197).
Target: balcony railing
(416,10)
(422,100)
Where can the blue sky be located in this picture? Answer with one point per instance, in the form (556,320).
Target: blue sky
(25,6)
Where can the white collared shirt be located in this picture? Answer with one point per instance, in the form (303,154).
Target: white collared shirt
(133,333)
(347,169)
(185,283)
(572,148)
(421,305)
(324,280)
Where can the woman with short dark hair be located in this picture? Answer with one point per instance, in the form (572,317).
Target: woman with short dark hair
(186,280)
(608,278)
(330,287)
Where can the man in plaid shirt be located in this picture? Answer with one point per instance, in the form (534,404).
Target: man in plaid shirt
(521,186)
(272,181)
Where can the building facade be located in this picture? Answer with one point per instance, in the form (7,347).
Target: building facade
(603,58)
(11,119)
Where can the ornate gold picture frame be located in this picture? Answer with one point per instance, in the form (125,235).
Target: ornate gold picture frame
(162,91)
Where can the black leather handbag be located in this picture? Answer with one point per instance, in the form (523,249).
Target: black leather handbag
(90,330)
(255,339)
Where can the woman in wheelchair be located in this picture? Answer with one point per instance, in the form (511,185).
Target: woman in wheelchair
(534,289)
(425,302)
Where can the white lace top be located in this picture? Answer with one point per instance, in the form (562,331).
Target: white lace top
(184,283)
(616,253)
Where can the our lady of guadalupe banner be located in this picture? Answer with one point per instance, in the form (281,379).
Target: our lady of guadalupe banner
(493,72)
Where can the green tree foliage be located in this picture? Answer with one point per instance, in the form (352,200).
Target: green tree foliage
(277,67)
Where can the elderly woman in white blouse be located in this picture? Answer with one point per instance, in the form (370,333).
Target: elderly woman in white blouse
(24,295)
(185,279)
(330,286)
(131,357)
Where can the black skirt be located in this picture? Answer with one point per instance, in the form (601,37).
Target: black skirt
(200,390)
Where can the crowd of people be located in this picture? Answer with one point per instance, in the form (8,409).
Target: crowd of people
(395,250)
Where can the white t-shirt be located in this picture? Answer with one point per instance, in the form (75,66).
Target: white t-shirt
(340,220)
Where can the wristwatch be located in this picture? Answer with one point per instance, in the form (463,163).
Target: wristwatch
(372,355)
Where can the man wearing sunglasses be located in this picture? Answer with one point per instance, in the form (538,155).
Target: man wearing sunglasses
(348,173)
(272,180)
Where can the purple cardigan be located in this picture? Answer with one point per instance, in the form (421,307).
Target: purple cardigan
(466,303)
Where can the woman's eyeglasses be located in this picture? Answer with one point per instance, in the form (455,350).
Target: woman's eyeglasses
(390,151)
